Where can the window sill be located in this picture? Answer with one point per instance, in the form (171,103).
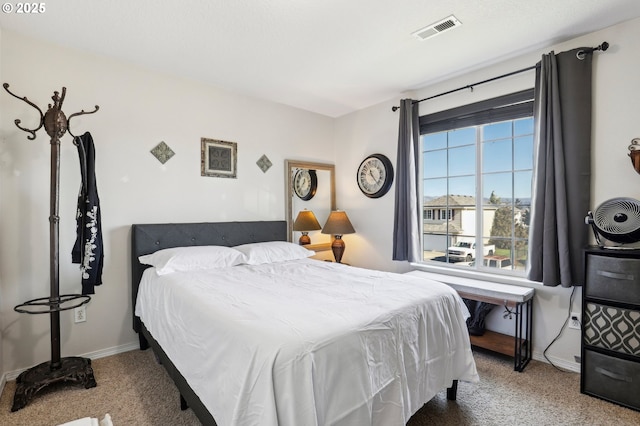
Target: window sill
(451,274)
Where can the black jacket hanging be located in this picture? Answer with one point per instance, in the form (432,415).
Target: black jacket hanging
(88,250)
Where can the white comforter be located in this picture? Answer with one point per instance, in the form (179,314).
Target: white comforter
(307,342)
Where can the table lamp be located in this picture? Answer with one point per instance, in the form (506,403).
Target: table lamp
(338,224)
(305,222)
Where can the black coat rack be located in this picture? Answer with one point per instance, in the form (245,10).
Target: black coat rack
(69,369)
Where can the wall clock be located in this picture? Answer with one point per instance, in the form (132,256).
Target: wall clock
(375,176)
(305,183)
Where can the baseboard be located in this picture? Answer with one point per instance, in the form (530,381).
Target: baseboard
(3,381)
(115,350)
(558,362)
(102,353)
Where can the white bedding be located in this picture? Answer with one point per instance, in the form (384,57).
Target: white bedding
(308,342)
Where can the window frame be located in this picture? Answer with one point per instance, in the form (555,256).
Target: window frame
(508,107)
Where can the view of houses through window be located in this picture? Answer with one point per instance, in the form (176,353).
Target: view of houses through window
(477,195)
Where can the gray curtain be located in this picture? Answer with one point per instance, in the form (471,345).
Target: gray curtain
(562,169)
(408,203)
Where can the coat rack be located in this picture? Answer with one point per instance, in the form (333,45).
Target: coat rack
(69,369)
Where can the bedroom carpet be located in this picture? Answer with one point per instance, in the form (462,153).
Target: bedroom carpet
(136,391)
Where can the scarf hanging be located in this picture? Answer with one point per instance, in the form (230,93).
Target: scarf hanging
(88,250)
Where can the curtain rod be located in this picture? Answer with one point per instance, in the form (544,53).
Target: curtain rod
(580,54)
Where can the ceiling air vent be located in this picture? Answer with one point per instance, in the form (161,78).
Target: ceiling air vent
(437,28)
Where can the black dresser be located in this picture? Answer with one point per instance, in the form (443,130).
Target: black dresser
(610,367)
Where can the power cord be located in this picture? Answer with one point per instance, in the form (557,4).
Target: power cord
(508,313)
(564,326)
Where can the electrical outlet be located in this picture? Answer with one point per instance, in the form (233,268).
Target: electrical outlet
(574,320)
(80,314)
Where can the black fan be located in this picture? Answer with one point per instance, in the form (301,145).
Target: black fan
(617,220)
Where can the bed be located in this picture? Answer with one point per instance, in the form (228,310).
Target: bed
(292,341)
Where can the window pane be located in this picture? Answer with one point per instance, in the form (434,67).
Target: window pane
(462,161)
(523,127)
(434,141)
(435,243)
(496,131)
(434,188)
(522,186)
(435,164)
(501,225)
(520,257)
(496,156)
(461,187)
(498,184)
(436,230)
(523,158)
(459,137)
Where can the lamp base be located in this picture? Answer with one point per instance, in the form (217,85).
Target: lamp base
(304,239)
(337,246)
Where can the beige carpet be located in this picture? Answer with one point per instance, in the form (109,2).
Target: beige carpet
(136,391)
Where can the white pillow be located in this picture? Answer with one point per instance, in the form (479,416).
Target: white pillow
(192,258)
(273,251)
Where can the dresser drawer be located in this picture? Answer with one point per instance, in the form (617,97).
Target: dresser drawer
(612,328)
(611,378)
(611,278)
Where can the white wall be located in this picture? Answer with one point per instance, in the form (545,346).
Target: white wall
(138,109)
(616,84)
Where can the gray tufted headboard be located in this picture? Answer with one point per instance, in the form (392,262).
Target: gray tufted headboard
(149,238)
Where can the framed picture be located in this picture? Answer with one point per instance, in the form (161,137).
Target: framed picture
(218,158)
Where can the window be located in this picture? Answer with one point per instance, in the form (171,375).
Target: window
(446,214)
(477,165)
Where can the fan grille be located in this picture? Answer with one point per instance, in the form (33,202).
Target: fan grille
(619,218)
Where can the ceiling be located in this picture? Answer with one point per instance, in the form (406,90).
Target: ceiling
(331,57)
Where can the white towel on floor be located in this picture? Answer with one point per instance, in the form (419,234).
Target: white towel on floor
(90,421)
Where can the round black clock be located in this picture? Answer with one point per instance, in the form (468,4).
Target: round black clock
(375,176)
(305,183)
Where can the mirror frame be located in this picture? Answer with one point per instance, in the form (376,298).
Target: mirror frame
(295,164)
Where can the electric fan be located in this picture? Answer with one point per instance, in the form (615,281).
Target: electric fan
(617,220)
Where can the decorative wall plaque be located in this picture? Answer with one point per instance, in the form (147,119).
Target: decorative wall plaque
(264,163)
(162,152)
(218,158)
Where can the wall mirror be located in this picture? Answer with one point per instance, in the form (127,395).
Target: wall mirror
(321,203)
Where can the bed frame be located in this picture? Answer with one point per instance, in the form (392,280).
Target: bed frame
(148,238)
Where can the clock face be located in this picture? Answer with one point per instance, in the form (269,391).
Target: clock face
(305,183)
(375,176)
